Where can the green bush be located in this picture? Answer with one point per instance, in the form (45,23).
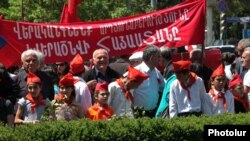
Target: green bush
(176,129)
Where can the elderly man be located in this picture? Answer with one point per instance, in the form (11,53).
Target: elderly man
(197,58)
(245,59)
(243,43)
(147,94)
(166,61)
(101,71)
(31,62)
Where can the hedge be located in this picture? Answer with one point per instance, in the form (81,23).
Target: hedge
(176,129)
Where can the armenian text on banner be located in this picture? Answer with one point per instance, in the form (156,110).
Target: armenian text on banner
(183,24)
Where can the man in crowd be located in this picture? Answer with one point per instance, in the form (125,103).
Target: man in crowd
(31,62)
(83,96)
(148,93)
(101,71)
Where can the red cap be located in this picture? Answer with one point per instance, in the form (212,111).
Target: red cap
(67,80)
(32,78)
(137,75)
(235,81)
(77,65)
(219,71)
(102,86)
(181,65)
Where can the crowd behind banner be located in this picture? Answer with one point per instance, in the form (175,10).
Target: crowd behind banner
(148,84)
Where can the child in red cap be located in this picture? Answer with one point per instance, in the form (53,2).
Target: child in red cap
(31,107)
(100,110)
(240,101)
(218,100)
(187,92)
(121,98)
(66,107)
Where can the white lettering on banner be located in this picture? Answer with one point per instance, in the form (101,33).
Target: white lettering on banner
(62,48)
(49,31)
(144,22)
(183,16)
(137,39)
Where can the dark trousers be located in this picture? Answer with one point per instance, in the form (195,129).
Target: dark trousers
(150,113)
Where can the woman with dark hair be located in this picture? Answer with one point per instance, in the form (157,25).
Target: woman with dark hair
(62,68)
(31,107)
(66,108)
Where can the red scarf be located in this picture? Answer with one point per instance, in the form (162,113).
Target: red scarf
(127,93)
(35,103)
(243,101)
(61,97)
(219,95)
(192,79)
(104,112)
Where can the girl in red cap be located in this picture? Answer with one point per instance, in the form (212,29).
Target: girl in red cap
(66,108)
(219,100)
(100,110)
(31,107)
(240,100)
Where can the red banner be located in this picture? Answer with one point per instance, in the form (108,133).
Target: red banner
(183,24)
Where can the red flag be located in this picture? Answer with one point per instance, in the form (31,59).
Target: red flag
(65,14)
(69,12)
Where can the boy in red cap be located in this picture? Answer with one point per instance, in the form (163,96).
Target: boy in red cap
(218,100)
(83,96)
(100,110)
(66,107)
(31,107)
(240,101)
(186,92)
(121,98)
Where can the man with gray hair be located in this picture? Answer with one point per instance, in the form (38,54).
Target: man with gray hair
(32,61)
(242,44)
(166,61)
(245,59)
(197,58)
(147,94)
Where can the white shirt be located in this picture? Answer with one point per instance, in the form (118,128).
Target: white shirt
(246,82)
(147,94)
(212,107)
(117,100)
(83,96)
(178,97)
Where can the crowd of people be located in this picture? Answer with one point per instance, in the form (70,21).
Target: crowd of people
(73,90)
